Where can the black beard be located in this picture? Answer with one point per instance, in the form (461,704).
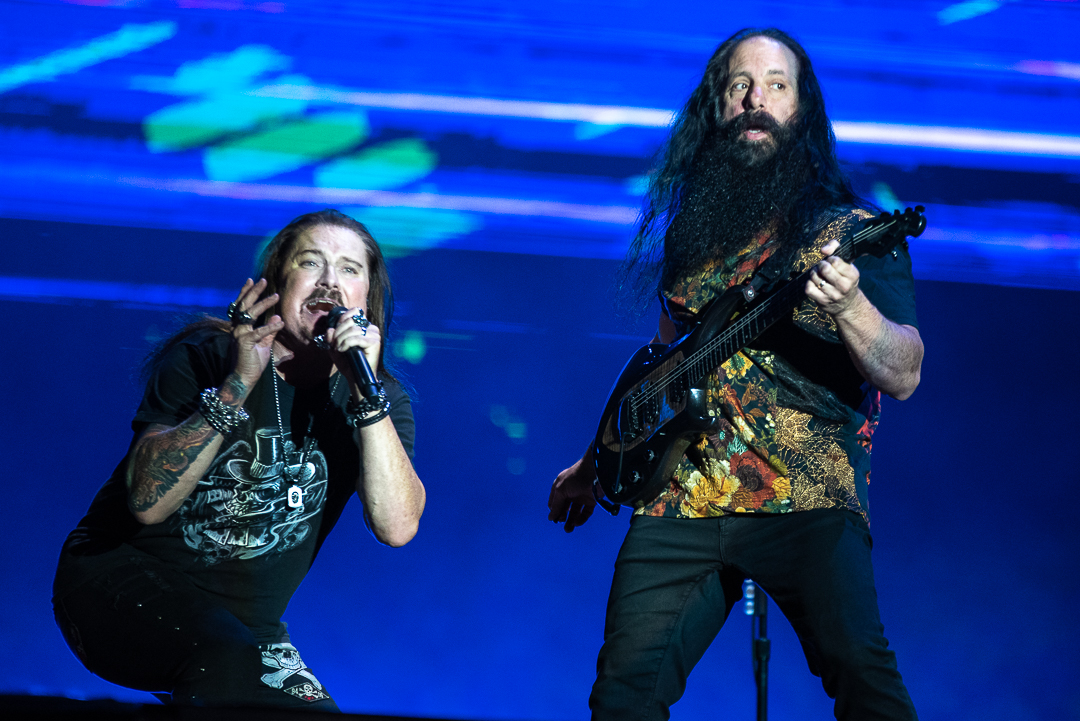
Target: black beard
(735,191)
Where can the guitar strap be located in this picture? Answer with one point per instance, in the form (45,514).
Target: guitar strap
(770,271)
(764,279)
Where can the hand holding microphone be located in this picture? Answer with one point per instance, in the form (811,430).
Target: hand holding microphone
(365,378)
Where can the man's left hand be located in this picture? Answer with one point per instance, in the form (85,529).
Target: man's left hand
(351,333)
(888,355)
(834,283)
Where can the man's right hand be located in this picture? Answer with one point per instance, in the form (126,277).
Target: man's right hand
(253,342)
(572,501)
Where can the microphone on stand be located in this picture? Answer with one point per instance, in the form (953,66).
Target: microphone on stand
(369,387)
(749,597)
(756,606)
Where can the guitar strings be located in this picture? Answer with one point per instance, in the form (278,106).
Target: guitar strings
(659,387)
(751,316)
(662,383)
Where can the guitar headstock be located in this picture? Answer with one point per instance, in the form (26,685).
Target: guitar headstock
(881,234)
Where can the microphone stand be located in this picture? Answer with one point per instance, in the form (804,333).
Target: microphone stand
(756,606)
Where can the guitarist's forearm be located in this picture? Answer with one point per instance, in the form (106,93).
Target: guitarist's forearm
(887,354)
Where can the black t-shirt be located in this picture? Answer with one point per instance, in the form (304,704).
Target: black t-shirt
(237,536)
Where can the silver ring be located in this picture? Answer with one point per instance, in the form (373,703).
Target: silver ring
(361,321)
(238,315)
(821,284)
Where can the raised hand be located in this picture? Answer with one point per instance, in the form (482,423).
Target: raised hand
(253,342)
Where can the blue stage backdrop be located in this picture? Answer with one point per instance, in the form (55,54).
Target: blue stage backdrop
(498,150)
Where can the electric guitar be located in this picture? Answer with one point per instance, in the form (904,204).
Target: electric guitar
(657,407)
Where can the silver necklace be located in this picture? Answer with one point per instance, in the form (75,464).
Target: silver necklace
(292,473)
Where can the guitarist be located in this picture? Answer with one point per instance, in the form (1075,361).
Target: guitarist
(777,491)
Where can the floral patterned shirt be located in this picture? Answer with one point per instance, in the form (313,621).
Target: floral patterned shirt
(776,455)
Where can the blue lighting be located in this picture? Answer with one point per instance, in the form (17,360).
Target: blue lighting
(499,150)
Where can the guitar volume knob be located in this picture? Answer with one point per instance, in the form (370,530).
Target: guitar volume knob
(650,456)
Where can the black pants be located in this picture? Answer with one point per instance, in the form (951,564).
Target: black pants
(147,627)
(676,580)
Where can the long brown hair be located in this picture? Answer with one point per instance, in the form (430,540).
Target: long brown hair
(272,262)
(275,257)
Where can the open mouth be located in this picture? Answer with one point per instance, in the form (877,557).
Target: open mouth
(755,126)
(319,310)
(756,130)
(319,306)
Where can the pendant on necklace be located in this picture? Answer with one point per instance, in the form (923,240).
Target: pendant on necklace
(296,496)
(296,470)
(292,472)
(303,470)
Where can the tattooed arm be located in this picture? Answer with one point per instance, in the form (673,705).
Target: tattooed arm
(167,463)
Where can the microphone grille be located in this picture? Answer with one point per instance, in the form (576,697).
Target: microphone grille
(335,314)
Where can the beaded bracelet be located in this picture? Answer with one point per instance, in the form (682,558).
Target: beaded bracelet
(222,418)
(367,411)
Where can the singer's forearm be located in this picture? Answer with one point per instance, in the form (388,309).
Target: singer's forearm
(392,493)
(167,462)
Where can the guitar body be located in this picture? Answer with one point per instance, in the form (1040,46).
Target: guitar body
(643,433)
(658,406)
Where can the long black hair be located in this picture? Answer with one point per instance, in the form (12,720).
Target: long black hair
(825,185)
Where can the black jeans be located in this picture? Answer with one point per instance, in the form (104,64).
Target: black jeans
(148,627)
(676,580)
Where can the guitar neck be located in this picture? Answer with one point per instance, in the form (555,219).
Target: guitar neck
(744,329)
(657,409)
(747,327)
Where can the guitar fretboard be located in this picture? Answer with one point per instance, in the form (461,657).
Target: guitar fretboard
(749,326)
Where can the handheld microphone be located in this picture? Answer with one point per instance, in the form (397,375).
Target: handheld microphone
(369,387)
